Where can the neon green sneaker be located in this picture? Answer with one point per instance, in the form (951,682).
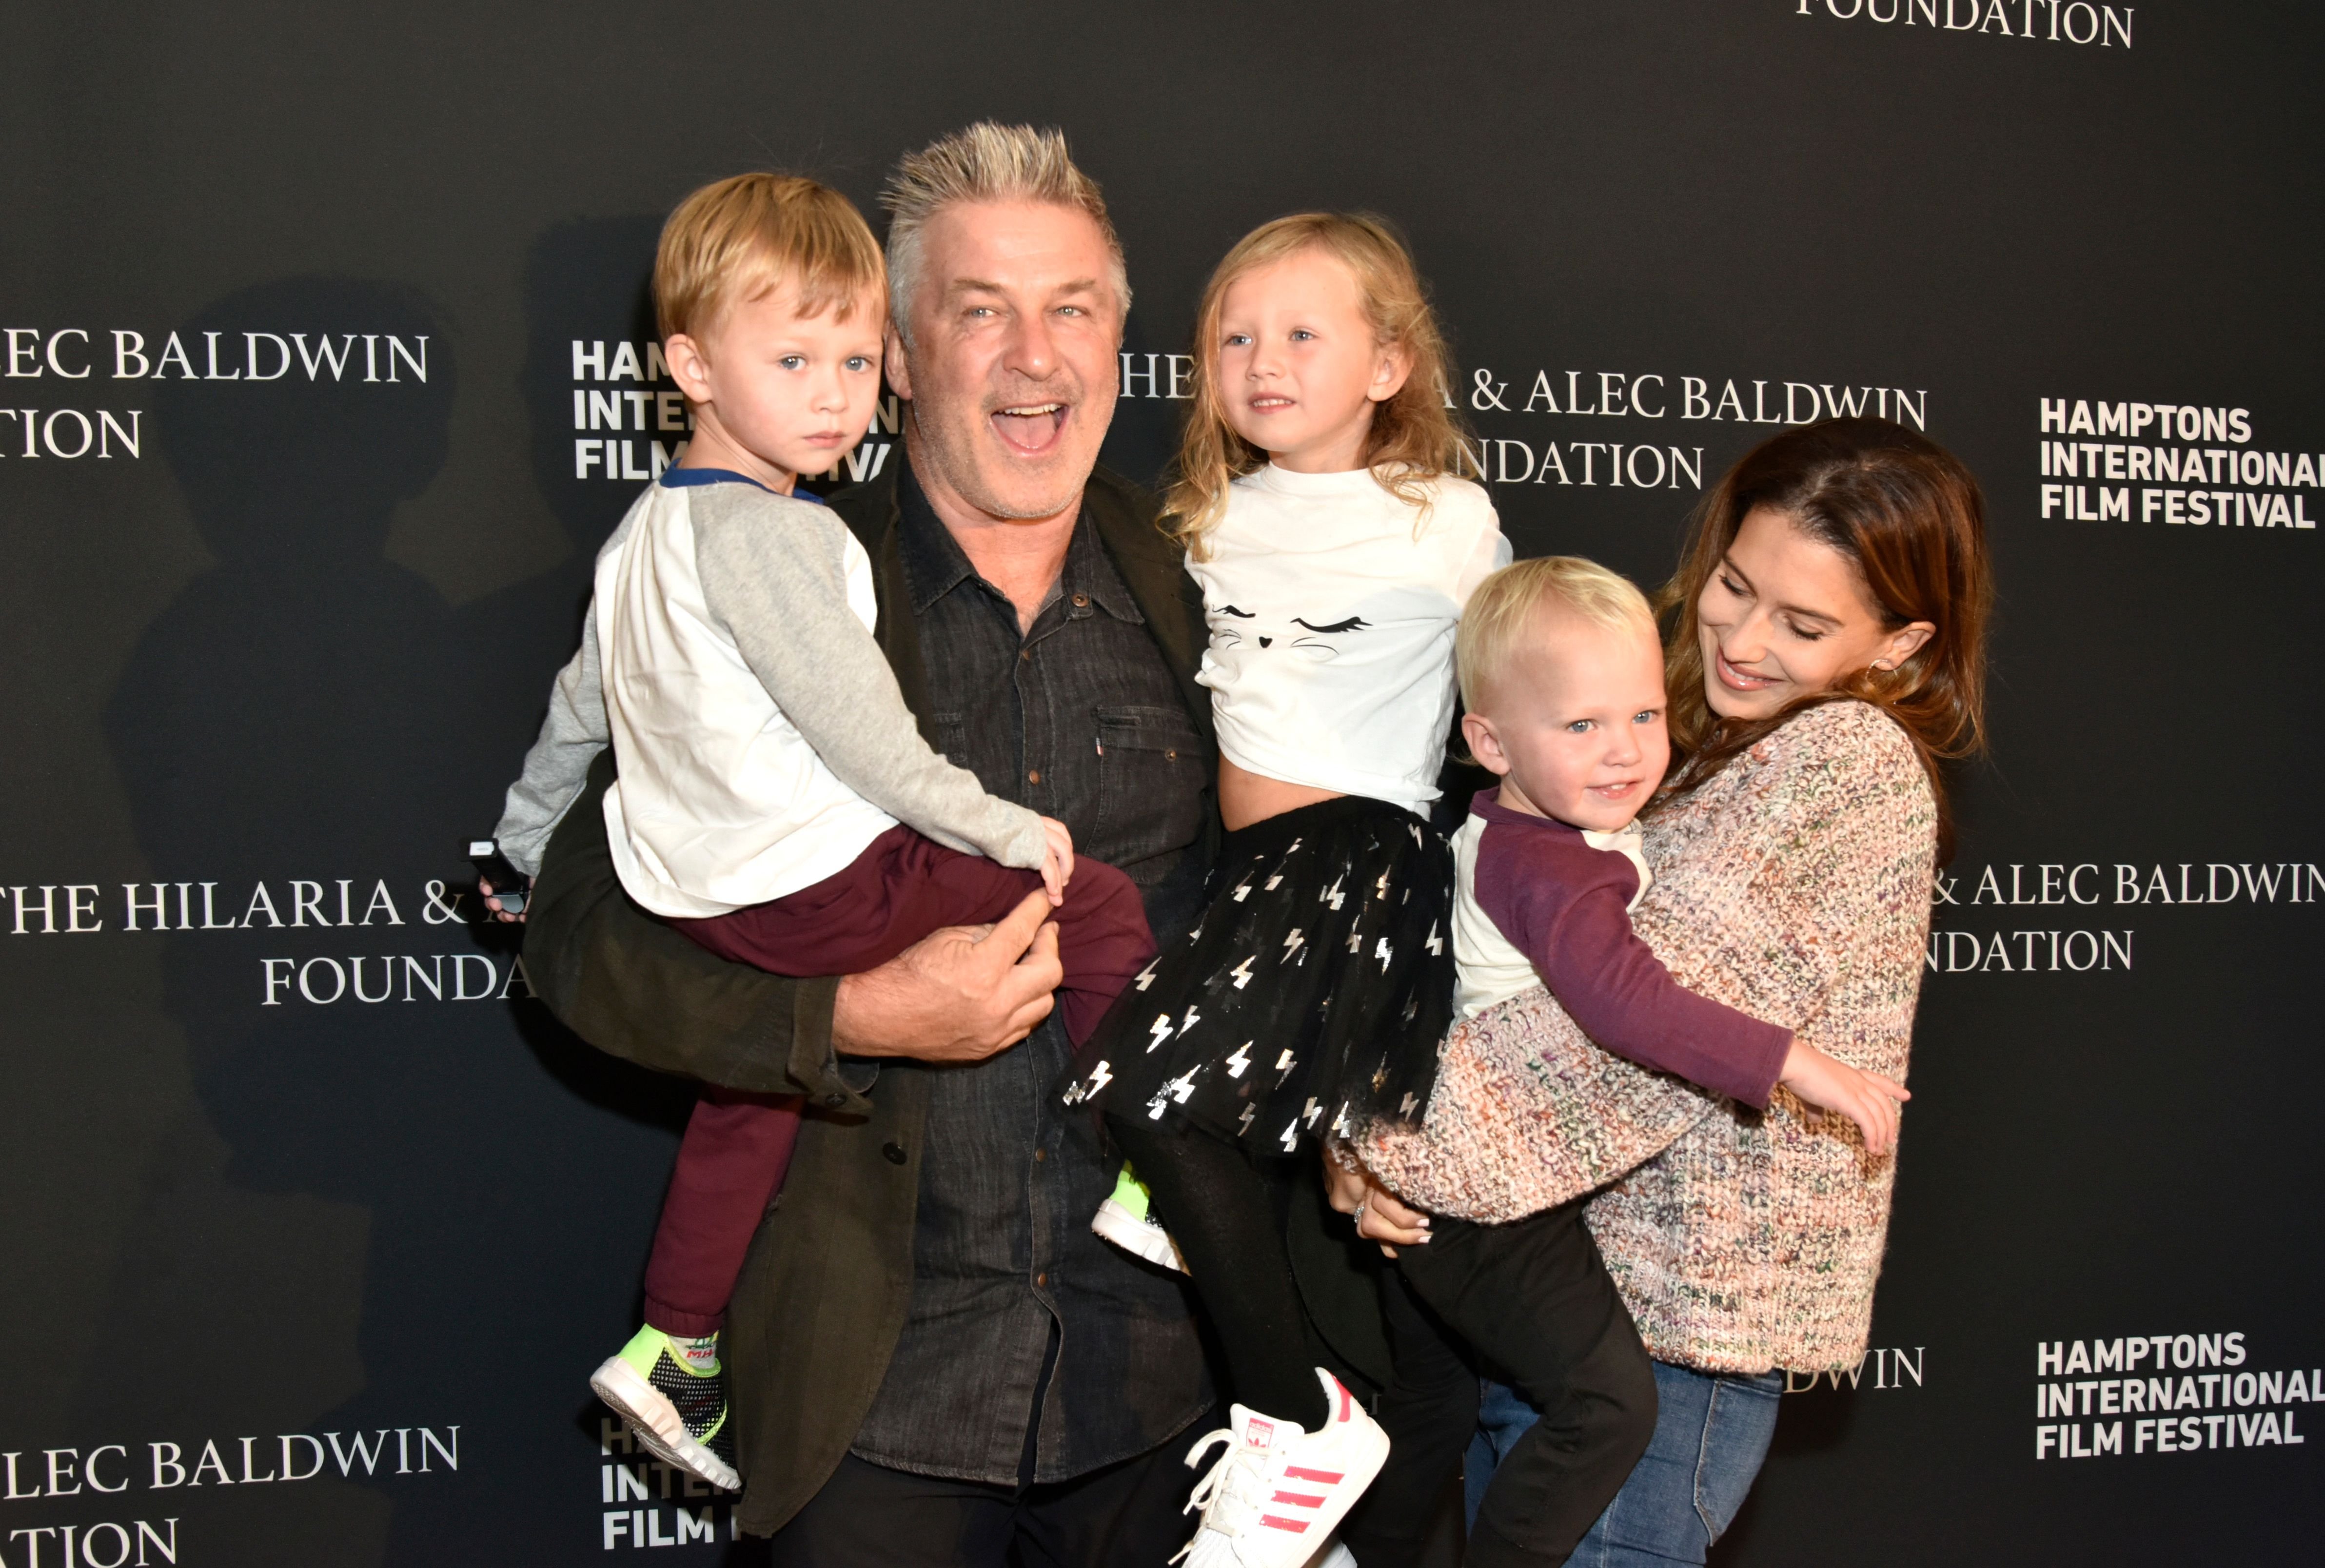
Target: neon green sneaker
(675,1410)
(1128,1220)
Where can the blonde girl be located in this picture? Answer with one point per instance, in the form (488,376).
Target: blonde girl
(1335,548)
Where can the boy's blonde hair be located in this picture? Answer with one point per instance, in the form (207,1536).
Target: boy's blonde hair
(987,161)
(736,239)
(1415,435)
(1494,622)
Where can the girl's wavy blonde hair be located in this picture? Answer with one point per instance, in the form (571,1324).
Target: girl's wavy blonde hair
(1416,435)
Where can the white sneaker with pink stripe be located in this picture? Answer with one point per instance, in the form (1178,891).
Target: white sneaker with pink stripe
(1277,1493)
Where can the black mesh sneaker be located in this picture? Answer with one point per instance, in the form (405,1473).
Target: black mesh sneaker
(675,1411)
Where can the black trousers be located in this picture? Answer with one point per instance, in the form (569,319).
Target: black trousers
(1533,1301)
(868,1516)
(1430,1411)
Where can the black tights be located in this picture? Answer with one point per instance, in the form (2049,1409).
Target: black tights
(1227,1218)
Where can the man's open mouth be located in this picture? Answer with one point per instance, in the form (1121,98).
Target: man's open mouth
(1030,427)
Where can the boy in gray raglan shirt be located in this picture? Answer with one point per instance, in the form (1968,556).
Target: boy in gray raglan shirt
(776,802)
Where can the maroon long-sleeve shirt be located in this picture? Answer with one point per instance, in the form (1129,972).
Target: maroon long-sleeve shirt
(1565,905)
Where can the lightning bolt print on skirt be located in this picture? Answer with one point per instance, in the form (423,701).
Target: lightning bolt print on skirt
(1309,998)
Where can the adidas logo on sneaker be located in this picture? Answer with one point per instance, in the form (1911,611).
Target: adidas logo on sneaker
(1275,1496)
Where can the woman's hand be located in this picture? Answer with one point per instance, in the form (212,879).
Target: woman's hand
(1830,1083)
(1381,1215)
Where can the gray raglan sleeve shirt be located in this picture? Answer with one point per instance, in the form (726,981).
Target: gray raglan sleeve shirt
(557,767)
(775,574)
(572,733)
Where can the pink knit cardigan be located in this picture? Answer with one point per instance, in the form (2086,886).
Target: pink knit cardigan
(1795,886)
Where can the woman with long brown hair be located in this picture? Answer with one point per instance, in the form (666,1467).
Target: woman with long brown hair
(1826,649)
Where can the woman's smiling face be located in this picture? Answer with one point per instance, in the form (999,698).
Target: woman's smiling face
(1786,617)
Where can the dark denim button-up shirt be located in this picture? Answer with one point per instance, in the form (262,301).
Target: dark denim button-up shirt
(1013,1297)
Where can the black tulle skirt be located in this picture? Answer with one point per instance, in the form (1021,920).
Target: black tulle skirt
(1312,995)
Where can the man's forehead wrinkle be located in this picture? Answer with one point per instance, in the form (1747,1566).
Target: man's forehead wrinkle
(1033,248)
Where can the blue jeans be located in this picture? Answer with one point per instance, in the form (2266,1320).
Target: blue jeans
(1711,1433)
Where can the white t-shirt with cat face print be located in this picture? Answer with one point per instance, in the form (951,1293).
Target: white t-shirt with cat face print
(1332,605)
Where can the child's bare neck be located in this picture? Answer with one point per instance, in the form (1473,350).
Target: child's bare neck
(712,447)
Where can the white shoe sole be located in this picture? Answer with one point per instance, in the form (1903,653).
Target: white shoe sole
(1136,1237)
(649,1415)
(1220,1552)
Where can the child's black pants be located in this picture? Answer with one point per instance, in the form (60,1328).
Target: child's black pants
(1534,1300)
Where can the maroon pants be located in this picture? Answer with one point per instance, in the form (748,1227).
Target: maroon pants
(902,887)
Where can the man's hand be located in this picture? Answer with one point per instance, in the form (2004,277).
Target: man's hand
(1381,1215)
(1830,1083)
(960,994)
(1058,870)
(493,904)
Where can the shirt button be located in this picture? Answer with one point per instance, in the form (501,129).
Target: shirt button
(1025,657)
(1040,1155)
(1034,777)
(1080,600)
(893,1152)
(1041,1279)
(1171,756)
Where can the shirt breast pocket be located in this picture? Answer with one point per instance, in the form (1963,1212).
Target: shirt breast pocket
(1152,770)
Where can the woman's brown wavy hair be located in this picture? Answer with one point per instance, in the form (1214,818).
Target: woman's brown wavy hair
(1415,437)
(1910,516)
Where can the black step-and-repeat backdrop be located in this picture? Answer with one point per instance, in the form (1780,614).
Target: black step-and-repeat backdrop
(327,365)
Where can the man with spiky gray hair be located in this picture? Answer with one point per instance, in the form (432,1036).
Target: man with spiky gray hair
(986,162)
(934,1361)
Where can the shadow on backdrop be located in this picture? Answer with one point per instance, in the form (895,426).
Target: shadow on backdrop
(408,1224)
